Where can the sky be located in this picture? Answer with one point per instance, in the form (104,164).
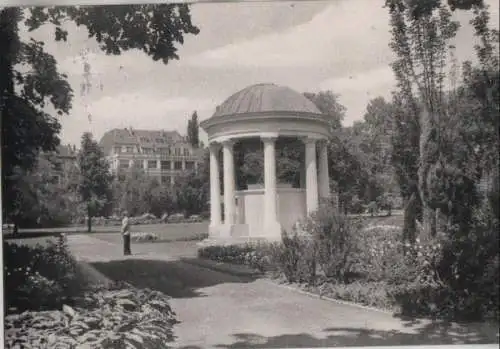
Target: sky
(339,45)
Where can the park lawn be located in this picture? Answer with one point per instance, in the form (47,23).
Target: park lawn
(32,241)
(165,232)
(394,220)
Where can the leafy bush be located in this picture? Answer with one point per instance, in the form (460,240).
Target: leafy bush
(258,255)
(121,317)
(237,254)
(454,275)
(379,254)
(297,257)
(334,236)
(373,294)
(40,277)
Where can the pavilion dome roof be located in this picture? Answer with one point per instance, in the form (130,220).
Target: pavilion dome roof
(264,98)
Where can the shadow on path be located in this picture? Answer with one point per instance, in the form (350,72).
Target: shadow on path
(435,333)
(174,278)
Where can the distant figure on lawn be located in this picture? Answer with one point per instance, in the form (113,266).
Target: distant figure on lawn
(126,234)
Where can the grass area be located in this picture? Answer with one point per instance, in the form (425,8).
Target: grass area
(106,228)
(396,220)
(32,241)
(165,232)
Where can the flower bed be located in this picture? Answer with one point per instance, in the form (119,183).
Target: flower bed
(40,278)
(449,276)
(140,237)
(143,237)
(48,305)
(123,317)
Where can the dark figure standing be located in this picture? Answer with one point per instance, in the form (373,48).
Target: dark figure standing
(126,234)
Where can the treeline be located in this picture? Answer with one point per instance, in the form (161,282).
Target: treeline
(89,190)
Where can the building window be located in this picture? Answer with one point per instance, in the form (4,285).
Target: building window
(189,165)
(147,150)
(152,164)
(165,179)
(118,150)
(186,152)
(123,164)
(165,165)
(178,165)
(130,149)
(140,164)
(177,152)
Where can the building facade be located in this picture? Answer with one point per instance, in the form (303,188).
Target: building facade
(60,163)
(161,154)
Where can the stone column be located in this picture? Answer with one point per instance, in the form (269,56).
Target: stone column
(311,176)
(324,177)
(270,193)
(215,209)
(228,162)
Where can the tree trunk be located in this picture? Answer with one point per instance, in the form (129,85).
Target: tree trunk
(409,217)
(438,219)
(89,220)
(428,216)
(428,221)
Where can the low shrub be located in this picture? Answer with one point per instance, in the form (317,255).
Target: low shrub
(39,277)
(373,294)
(296,257)
(121,317)
(380,254)
(261,256)
(237,254)
(334,236)
(143,237)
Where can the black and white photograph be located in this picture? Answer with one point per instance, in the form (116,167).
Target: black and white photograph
(250,174)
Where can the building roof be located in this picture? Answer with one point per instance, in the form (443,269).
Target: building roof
(129,136)
(266,98)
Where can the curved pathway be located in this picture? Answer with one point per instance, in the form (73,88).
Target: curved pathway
(218,310)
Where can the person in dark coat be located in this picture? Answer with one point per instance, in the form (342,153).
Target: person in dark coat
(126,234)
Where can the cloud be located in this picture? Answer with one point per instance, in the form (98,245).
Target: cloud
(355,91)
(142,111)
(361,82)
(347,35)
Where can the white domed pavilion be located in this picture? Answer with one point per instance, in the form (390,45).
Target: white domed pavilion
(266,112)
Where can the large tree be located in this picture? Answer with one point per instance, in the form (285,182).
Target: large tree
(29,79)
(192,193)
(193,131)
(94,186)
(421,39)
(421,35)
(328,103)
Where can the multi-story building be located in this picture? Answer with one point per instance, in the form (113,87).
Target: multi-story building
(60,162)
(162,154)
